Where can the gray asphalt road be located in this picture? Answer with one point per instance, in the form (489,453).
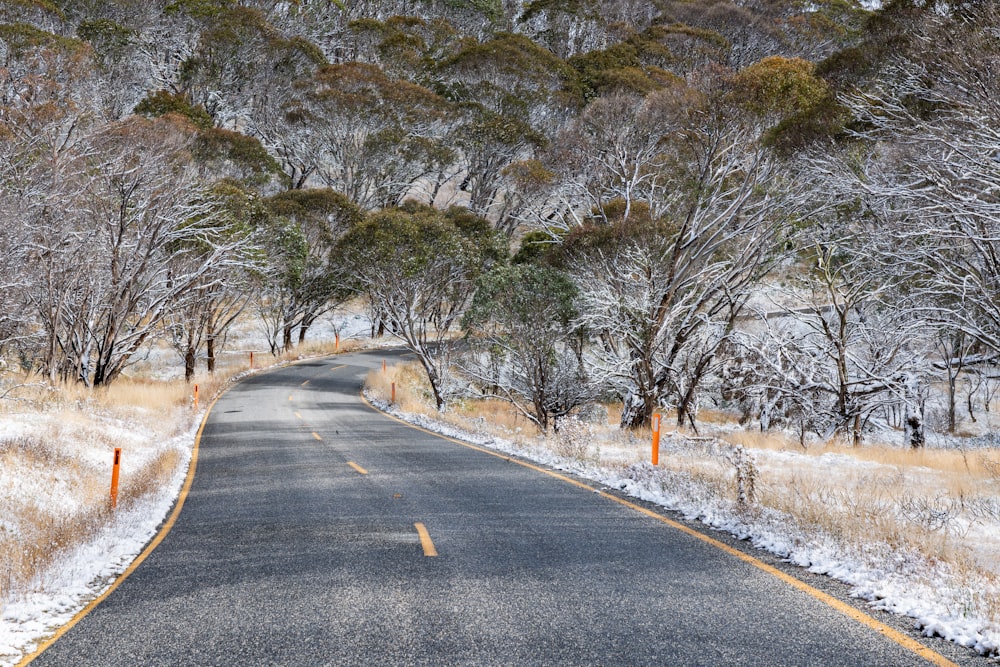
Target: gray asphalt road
(286,554)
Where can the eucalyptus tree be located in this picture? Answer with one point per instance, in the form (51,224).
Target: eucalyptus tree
(321,217)
(417,266)
(524,345)
(922,154)
(367,135)
(513,96)
(696,218)
(104,260)
(845,350)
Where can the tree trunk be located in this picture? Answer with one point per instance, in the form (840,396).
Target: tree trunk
(914,419)
(210,353)
(307,321)
(189,361)
(637,412)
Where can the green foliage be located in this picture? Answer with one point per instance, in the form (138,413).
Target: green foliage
(593,66)
(777,85)
(407,241)
(246,154)
(509,68)
(637,64)
(162,102)
(492,129)
(21,38)
(110,40)
(332,208)
(523,296)
(606,232)
(534,249)
(105,31)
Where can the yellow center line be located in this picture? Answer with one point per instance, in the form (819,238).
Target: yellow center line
(298,415)
(316,435)
(888,632)
(357,467)
(290,396)
(337,368)
(425,540)
(304,383)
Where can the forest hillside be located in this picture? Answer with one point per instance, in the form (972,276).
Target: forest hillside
(786,210)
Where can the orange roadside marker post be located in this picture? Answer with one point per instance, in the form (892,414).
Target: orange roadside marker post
(336,344)
(251,360)
(383,365)
(114,476)
(196,397)
(656,438)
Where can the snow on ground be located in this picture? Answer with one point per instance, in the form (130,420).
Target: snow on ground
(80,576)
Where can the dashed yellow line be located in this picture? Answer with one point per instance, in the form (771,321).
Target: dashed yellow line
(298,415)
(886,631)
(304,383)
(357,467)
(425,540)
(317,436)
(336,368)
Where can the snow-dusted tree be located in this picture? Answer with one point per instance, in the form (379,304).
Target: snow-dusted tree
(224,289)
(924,158)
(418,267)
(654,297)
(853,350)
(138,212)
(524,347)
(321,217)
(513,95)
(368,136)
(618,150)
(676,277)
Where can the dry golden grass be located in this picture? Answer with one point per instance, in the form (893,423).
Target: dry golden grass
(983,463)
(68,452)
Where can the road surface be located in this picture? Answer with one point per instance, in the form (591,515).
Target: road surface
(309,538)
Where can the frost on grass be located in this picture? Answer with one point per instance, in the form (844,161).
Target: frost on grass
(60,543)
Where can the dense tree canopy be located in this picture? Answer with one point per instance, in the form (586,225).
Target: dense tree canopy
(166,166)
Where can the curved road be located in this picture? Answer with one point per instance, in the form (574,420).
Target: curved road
(298,545)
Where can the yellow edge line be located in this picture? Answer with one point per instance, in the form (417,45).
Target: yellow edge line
(188,481)
(425,540)
(357,467)
(178,506)
(888,632)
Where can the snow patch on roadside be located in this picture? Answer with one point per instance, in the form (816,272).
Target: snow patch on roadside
(87,572)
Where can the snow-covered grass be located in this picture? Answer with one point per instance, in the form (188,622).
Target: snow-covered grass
(913,532)
(60,540)
(61,544)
